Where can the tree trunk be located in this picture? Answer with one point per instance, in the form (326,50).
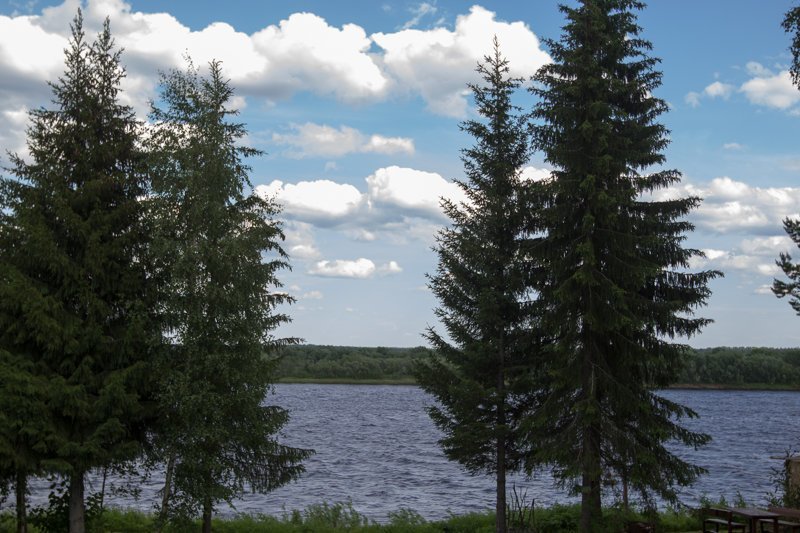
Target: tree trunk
(165,497)
(77,513)
(500,503)
(20,489)
(207,510)
(591,510)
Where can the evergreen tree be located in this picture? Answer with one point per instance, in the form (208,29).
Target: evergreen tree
(791,23)
(220,250)
(617,290)
(480,372)
(73,300)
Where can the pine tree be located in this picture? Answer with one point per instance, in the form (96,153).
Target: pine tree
(220,250)
(480,373)
(74,301)
(617,291)
(791,24)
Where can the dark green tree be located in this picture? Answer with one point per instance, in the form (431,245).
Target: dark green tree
(791,24)
(219,247)
(480,371)
(617,290)
(74,307)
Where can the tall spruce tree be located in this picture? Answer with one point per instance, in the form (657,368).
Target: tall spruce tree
(220,250)
(791,24)
(617,292)
(74,300)
(480,372)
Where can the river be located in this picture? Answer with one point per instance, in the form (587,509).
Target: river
(376,447)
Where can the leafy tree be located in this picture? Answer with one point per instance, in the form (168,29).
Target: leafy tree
(219,249)
(74,302)
(479,372)
(791,24)
(617,291)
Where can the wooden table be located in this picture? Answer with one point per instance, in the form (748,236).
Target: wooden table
(752,515)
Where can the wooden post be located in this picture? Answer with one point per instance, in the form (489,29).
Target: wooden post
(793,469)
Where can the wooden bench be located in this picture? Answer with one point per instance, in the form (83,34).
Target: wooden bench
(718,519)
(790,526)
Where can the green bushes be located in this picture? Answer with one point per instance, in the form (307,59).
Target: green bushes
(342,517)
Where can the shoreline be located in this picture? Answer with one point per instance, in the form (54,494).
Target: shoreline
(411,381)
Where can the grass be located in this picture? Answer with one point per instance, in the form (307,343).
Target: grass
(342,517)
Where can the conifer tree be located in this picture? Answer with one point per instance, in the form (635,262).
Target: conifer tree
(74,302)
(219,248)
(791,24)
(617,291)
(480,371)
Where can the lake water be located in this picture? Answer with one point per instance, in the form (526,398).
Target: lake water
(377,447)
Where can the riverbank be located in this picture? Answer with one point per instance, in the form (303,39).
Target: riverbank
(342,517)
(410,381)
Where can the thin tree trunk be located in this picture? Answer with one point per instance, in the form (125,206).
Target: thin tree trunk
(163,512)
(500,503)
(20,489)
(591,510)
(103,488)
(77,513)
(207,510)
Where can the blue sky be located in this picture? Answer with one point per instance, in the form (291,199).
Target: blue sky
(357,105)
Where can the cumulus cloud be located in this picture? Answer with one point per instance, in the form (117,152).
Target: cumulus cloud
(414,191)
(360,268)
(319,140)
(312,295)
(736,260)
(714,90)
(776,91)
(733,206)
(437,63)
(321,202)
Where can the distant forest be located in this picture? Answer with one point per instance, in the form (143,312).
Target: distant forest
(724,366)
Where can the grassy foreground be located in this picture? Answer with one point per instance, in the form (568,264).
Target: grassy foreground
(341,517)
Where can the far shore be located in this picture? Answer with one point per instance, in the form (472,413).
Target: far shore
(411,381)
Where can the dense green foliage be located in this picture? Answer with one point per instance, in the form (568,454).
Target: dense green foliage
(74,299)
(219,252)
(721,366)
(348,363)
(480,370)
(616,291)
(341,517)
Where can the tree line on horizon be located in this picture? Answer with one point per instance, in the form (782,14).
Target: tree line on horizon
(722,366)
(139,286)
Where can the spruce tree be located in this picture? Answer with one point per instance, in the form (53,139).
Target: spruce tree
(218,245)
(791,24)
(74,304)
(480,371)
(618,290)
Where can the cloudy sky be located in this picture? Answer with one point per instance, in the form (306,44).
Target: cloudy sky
(357,104)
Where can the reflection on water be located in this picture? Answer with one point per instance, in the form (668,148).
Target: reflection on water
(377,447)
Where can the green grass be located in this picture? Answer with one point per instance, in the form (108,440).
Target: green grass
(342,517)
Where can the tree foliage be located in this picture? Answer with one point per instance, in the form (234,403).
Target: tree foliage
(616,291)
(218,251)
(74,303)
(480,371)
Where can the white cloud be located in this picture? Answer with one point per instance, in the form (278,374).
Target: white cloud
(770,246)
(310,140)
(312,295)
(733,146)
(692,98)
(718,90)
(736,260)
(415,191)
(304,251)
(775,91)
(438,63)
(734,206)
(764,289)
(361,268)
(757,69)
(419,12)
(390,268)
(321,202)
(535,174)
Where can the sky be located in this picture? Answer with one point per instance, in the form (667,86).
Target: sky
(357,106)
